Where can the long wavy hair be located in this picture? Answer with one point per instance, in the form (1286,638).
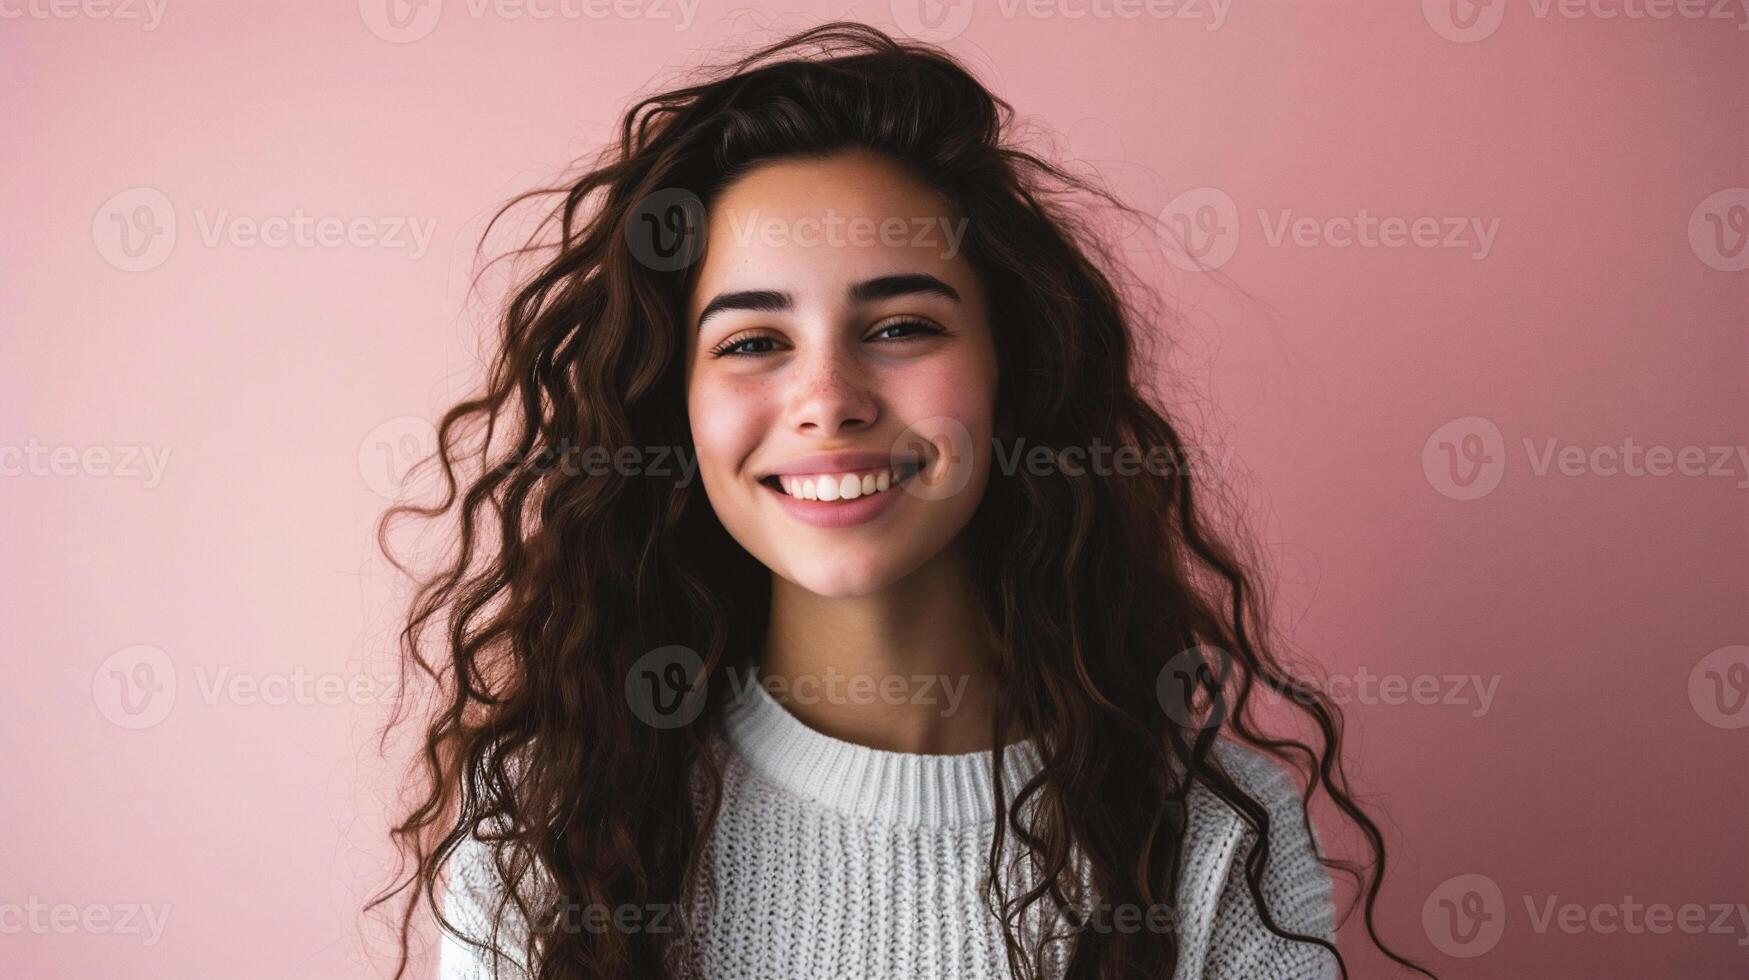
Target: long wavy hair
(1096,586)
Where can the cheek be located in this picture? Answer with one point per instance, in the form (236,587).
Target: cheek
(728,422)
(962,389)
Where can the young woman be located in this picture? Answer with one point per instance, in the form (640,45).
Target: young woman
(823,634)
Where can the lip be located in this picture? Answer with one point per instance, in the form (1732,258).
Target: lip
(841,462)
(837,513)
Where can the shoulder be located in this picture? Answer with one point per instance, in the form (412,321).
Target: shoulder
(1265,780)
(1294,885)
(1262,776)
(473,901)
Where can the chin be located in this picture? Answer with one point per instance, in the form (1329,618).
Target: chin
(845,580)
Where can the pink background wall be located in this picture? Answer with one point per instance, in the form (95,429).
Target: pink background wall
(254,404)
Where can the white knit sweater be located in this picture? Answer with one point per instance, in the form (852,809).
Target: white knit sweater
(835,860)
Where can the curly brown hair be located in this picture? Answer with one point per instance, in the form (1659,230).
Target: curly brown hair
(1096,587)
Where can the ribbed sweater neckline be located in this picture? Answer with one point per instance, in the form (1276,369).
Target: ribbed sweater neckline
(898,788)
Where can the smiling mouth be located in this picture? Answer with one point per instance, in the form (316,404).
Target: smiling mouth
(843,487)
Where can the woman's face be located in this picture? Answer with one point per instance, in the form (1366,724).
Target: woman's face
(836,331)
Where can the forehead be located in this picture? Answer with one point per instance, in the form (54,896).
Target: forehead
(855,182)
(810,226)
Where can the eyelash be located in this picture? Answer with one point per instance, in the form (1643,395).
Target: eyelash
(726,348)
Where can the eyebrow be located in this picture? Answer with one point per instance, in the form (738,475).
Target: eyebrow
(867,291)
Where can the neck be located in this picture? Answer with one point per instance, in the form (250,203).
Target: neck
(910,668)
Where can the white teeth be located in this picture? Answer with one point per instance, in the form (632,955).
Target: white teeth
(848,486)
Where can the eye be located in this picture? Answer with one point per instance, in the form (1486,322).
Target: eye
(732,347)
(913,326)
(919,327)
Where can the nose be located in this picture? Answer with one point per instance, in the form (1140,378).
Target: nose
(831,394)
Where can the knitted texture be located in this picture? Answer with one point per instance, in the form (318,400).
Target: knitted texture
(835,860)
